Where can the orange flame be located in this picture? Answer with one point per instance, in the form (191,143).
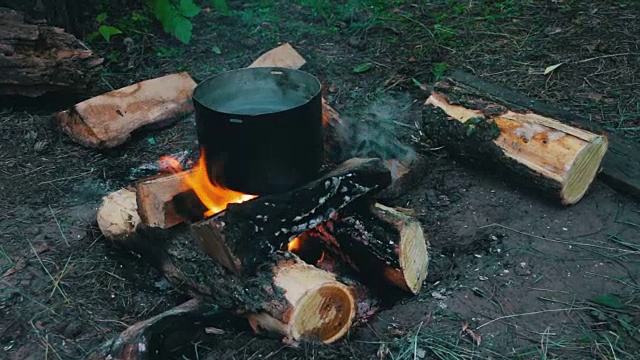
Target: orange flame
(214,197)
(294,244)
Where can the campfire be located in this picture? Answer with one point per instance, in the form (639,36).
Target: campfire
(314,261)
(214,197)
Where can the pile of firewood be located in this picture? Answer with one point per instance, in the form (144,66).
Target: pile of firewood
(252,259)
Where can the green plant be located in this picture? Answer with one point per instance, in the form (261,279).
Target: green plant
(175,15)
(438,69)
(106,31)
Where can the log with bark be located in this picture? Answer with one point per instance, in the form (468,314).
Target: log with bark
(245,235)
(558,159)
(36,59)
(287,297)
(620,167)
(381,242)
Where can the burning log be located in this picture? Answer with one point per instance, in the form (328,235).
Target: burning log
(405,170)
(36,58)
(381,242)
(558,159)
(155,195)
(287,297)
(246,235)
(108,120)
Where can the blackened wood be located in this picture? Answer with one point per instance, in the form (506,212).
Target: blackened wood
(291,298)
(621,165)
(191,271)
(248,234)
(406,171)
(36,59)
(379,242)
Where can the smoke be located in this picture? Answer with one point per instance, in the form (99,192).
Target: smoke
(378,130)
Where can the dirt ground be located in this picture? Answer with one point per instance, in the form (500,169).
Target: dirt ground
(525,277)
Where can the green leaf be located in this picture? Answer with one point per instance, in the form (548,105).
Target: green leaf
(151,140)
(362,68)
(108,31)
(183,30)
(188,8)
(101,17)
(438,69)
(216,50)
(92,36)
(170,21)
(609,300)
(220,5)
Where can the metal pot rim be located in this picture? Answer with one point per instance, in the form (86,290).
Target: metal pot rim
(312,80)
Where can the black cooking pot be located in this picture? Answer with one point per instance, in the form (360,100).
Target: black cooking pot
(260,128)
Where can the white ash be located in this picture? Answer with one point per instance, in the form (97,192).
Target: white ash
(335,184)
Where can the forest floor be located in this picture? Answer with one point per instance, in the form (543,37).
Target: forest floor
(530,278)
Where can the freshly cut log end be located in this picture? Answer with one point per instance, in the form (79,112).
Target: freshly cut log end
(414,257)
(324,313)
(559,159)
(322,309)
(585,168)
(118,214)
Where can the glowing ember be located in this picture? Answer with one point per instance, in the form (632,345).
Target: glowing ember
(214,197)
(294,244)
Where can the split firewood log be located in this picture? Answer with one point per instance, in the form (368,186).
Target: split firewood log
(155,198)
(558,159)
(36,59)
(108,120)
(247,234)
(288,297)
(379,242)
